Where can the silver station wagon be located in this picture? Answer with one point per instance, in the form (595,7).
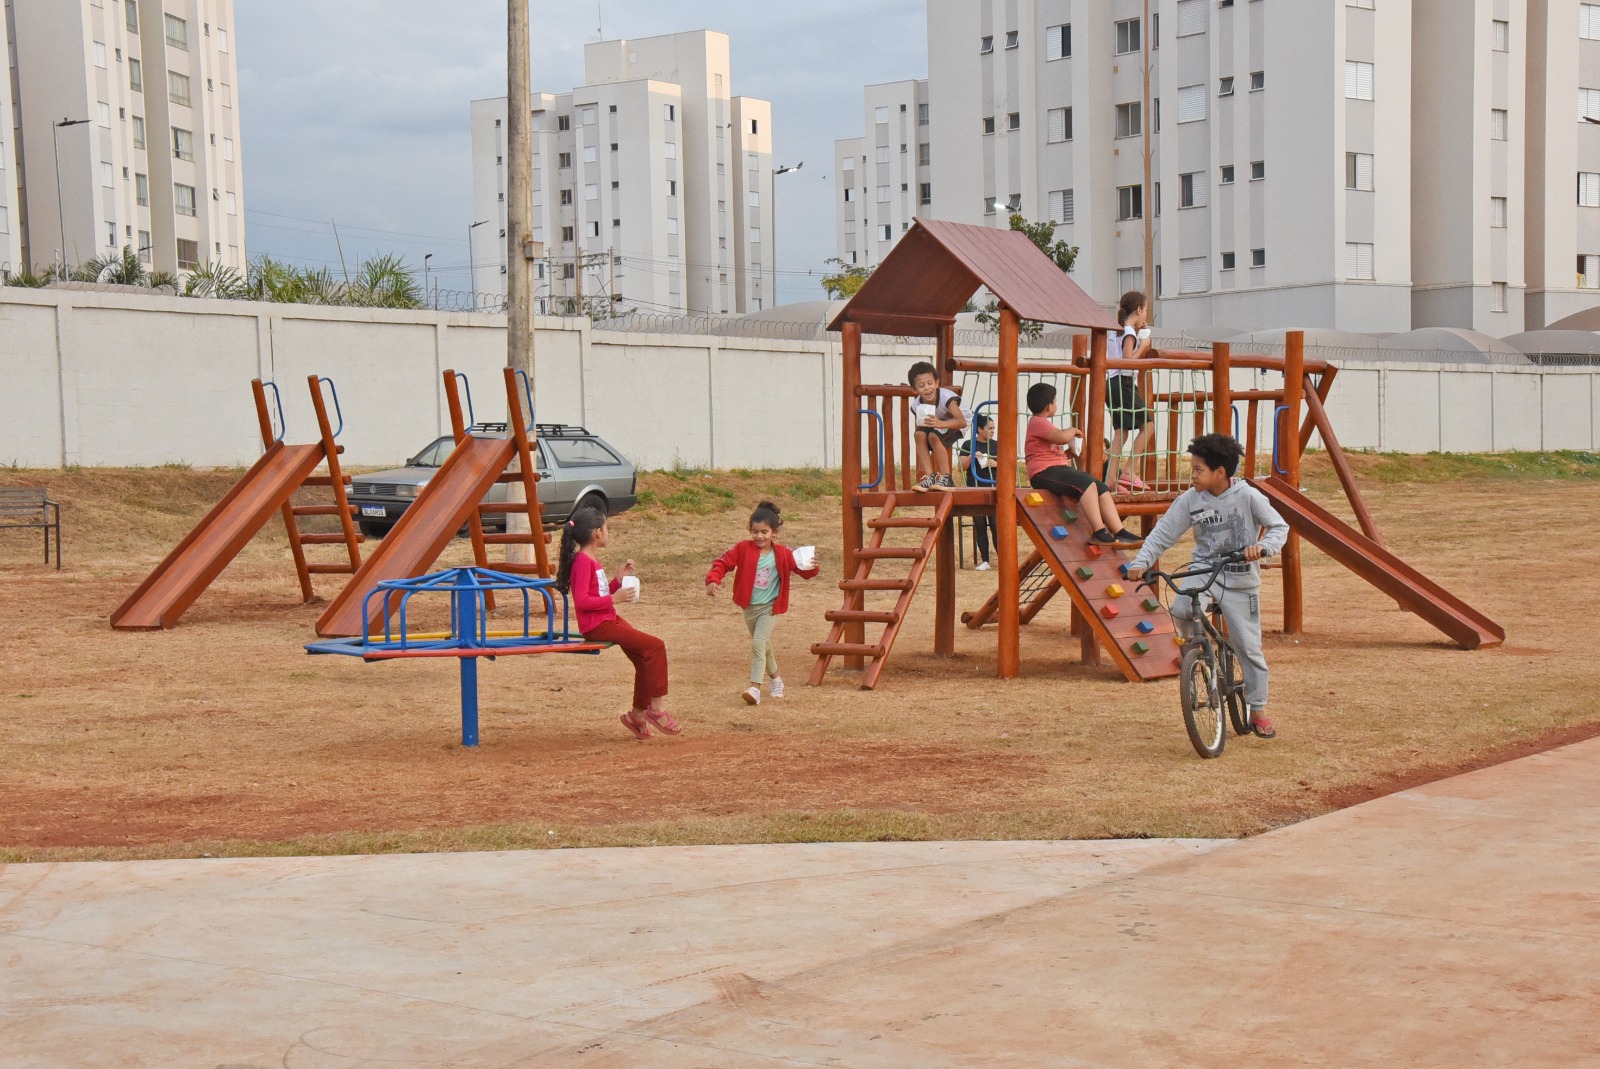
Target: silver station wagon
(577,469)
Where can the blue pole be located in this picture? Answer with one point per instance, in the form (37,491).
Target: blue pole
(464,609)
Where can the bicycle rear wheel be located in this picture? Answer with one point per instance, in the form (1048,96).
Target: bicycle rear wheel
(1233,690)
(1204,717)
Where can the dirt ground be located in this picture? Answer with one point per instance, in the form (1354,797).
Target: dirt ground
(223,737)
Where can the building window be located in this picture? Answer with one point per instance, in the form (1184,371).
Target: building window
(1191,103)
(1228,260)
(1194,274)
(755,235)
(925,193)
(177,32)
(591,153)
(1502,35)
(1130,202)
(566,196)
(1368,4)
(1058,42)
(922,115)
(227,149)
(1497,296)
(1588,104)
(1497,212)
(182,144)
(886,232)
(1061,206)
(1060,124)
(563,123)
(141,190)
(670,150)
(1191,17)
(564,160)
(672,189)
(138,131)
(133,15)
(108,175)
(1358,171)
(1014,120)
(1224,87)
(188,254)
(849,194)
(1013,38)
(991,205)
(1589,189)
(1258,257)
(590,116)
(233,203)
(1358,260)
(144,246)
(1258,170)
(1226,174)
(178,88)
(222,40)
(1128,119)
(924,154)
(591,191)
(880,115)
(755,126)
(1588,271)
(1127,36)
(1589,22)
(1130,278)
(1258,81)
(985,45)
(1500,122)
(567,233)
(183,199)
(594,229)
(1014,202)
(988,124)
(135,75)
(105,114)
(883,153)
(1357,80)
(1192,190)
(883,194)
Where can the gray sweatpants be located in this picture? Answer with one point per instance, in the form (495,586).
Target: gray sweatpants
(1242,611)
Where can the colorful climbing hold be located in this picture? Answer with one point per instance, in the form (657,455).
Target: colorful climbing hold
(1150,605)
(1141,648)
(1110,612)
(1114,590)
(1146,627)
(1085,573)
(1033,500)
(1095,552)
(1059,533)
(1069,515)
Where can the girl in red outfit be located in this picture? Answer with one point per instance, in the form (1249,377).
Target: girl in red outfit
(594,599)
(761,568)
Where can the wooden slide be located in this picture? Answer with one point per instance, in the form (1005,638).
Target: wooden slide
(1465,626)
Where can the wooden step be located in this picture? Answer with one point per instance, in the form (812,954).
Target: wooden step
(322,510)
(323,480)
(515,567)
(890,553)
(925,522)
(330,569)
(511,539)
(858,616)
(846,649)
(327,539)
(875,584)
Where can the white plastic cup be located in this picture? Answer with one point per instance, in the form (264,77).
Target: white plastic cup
(1144,333)
(805,557)
(630,583)
(925,413)
(1077,445)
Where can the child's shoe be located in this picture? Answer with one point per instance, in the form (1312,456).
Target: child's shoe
(751,695)
(662,720)
(982,566)
(926,483)
(1131,482)
(1128,536)
(636,724)
(776,689)
(1262,726)
(1103,536)
(944,483)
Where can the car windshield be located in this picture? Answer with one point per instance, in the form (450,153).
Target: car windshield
(434,455)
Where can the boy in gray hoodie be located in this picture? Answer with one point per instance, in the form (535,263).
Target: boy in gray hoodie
(1227,515)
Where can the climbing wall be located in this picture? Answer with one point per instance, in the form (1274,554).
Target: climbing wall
(1129,624)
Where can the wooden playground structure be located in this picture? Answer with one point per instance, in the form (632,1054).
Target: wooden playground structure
(916,292)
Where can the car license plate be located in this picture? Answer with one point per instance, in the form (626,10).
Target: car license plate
(373,510)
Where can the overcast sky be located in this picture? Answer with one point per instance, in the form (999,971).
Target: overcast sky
(356,110)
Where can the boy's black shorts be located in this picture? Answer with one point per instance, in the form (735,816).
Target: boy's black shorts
(948,435)
(1128,412)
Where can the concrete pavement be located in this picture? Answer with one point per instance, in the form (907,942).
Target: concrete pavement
(1454,924)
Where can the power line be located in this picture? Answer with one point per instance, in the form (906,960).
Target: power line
(370,229)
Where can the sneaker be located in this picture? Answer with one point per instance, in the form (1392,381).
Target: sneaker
(926,483)
(982,566)
(1103,536)
(1128,536)
(776,688)
(1261,725)
(944,482)
(751,695)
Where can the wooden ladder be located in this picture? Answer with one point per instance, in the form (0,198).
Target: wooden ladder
(854,610)
(1036,585)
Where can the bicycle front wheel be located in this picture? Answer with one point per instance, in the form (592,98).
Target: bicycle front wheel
(1201,694)
(1233,690)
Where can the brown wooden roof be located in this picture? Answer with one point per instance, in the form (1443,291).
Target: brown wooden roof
(937,266)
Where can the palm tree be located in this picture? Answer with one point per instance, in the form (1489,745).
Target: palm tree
(385,282)
(215,280)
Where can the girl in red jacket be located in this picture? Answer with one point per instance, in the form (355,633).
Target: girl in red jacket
(594,598)
(761,568)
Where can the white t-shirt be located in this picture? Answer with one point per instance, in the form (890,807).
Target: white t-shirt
(1114,350)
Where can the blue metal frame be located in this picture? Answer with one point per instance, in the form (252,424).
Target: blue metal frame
(527,393)
(972,472)
(1277,429)
(337,410)
(469,636)
(277,398)
(472,419)
(883,445)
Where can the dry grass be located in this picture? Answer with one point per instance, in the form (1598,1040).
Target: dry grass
(222,737)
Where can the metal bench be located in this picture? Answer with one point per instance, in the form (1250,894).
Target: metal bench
(28,508)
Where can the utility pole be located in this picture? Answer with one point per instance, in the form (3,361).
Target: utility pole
(577,274)
(1148,118)
(519,227)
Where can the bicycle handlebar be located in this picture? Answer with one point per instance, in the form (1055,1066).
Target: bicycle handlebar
(1152,575)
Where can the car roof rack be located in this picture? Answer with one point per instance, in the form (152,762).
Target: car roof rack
(560,430)
(493,428)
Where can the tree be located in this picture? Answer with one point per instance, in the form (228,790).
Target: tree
(845,282)
(1063,254)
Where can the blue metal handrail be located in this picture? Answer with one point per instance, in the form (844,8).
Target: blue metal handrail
(973,472)
(472,419)
(337,410)
(1277,429)
(883,445)
(277,398)
(527,393)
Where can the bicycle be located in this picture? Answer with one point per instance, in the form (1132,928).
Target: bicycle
(1210,678)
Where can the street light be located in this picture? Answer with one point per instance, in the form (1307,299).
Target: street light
(426,293)
(785,169)
(61,216)
(472,264)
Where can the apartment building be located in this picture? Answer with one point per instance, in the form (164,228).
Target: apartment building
(883,179)
(10,120)
(1562,217)
(136,99)
(652,184)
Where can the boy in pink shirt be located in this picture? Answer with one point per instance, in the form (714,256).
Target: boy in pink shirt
(1050,469)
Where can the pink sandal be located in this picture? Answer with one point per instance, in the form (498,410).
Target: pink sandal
(662,720)
(640,729)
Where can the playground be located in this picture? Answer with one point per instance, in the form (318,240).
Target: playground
(221,736)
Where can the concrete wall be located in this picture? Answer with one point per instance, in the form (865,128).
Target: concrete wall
(103,379)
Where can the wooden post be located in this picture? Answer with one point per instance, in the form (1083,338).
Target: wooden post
(1094,424)
(850,460)
(336,478)
(1009,662)
(944,602)
(1221,388)
(519,262)
(1294,381)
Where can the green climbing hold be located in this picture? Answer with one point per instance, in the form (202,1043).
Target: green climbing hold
(1150,605)
(1085,573)
(1069,515)
(1141,647)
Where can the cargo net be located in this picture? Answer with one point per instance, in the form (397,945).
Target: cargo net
(1173,405)
(979,396)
